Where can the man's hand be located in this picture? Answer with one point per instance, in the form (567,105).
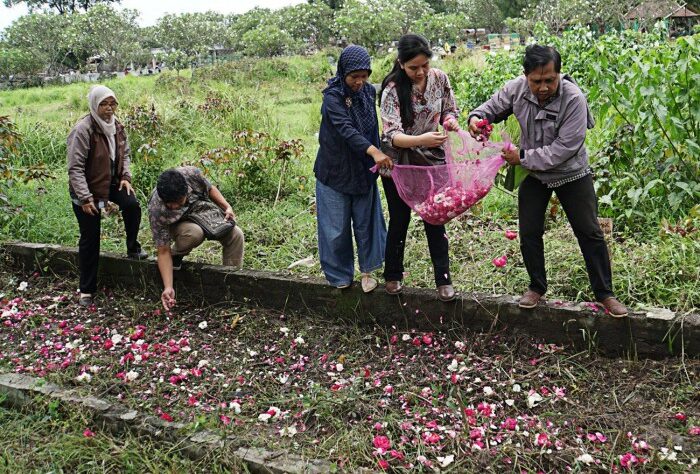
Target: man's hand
(511,154)
(125,184)
(168,298)
(90,209)
(229,215)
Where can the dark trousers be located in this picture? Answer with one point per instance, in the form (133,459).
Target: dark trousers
(399,219)
(89,244)
(580,204)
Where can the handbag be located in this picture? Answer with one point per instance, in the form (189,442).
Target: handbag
(209,217)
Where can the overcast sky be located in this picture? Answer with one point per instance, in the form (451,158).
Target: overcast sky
(152,10)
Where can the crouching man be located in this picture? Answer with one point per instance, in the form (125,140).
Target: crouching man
(183,210)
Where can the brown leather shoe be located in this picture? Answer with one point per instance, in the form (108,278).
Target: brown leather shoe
(614,307)
(393,287)
(529,299)
(446,293)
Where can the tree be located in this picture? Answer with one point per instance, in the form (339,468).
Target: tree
(312,23)
(16,61)
(270,40)
(239,25)
(332,4)
(117,49)
(373,22)
(61,6)
(43,36)
(191,33)
(442,27)
(511,8)
(556,15)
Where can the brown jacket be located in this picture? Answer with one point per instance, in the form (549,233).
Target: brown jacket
(89,162)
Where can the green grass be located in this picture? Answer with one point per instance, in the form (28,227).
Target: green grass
(276,97)
(51,439)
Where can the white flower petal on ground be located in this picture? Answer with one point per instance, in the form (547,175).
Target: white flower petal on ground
(533,399)
(203,325)
(84,377)
(132,375)
(23,286)
(446,461)
(586,459)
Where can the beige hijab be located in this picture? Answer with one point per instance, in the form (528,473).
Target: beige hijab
(96,95)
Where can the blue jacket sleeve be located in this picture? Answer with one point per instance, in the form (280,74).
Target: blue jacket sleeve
(338,116)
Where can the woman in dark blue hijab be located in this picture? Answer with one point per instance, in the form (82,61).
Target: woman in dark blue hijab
(347,197)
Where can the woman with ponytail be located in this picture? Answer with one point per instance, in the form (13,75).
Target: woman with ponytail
(414,100)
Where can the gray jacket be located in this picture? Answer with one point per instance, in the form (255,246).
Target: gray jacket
(551,137)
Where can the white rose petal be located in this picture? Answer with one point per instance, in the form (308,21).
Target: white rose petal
(84,377)
(405,337)
(533,400)
(236,407)
(264,417)
(202,363)
(299,340)
(339,367)
(132,375)
(446,461)
(284,330)
(516,388)
(488,391)
(290,431)
(510,402)
(283,378)
(23,286)
(454,365)
(117,338)
(203,325)
(585,458)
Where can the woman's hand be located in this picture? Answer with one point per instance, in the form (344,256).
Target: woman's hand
(432,139)
(450,124)
(125,184)
(90,209)
(383,161)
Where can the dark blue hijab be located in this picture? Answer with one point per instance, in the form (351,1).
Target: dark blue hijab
(361,109)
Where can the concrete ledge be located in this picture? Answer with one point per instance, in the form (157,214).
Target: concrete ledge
(22,392)
(655,333)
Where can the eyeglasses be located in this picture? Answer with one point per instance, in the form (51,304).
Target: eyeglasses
(111,105)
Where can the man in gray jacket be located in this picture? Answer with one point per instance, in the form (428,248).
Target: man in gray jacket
(553,115)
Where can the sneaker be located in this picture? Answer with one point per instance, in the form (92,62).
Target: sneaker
(368,283)
(141,254)
(177,262)
(529,299)
(614,307)
(342,286)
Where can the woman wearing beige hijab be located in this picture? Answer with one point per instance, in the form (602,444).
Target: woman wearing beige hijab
(98,171)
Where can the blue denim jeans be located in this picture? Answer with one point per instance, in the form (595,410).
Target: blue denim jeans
(340,215)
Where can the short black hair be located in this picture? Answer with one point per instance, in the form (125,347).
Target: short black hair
(537,56)
(171,186)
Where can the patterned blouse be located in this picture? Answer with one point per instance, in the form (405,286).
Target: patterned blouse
(161,218)
(430,108)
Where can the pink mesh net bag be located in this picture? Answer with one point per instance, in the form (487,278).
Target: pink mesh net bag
(440,193)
